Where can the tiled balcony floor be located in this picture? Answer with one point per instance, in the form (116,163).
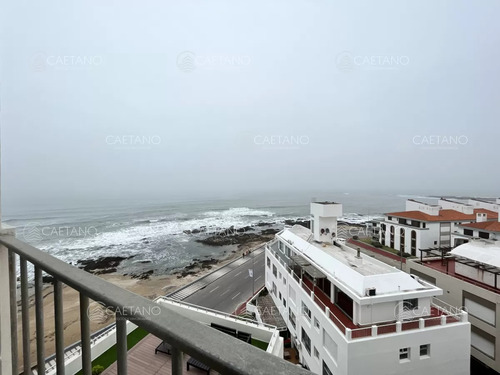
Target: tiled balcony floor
(143,360)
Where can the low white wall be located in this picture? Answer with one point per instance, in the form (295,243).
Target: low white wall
(203,316)
(74,364)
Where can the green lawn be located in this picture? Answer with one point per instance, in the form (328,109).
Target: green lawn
(109,356)
(259,344)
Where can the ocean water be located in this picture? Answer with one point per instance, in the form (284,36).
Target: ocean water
(155,233)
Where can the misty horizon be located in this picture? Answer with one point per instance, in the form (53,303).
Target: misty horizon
(180,101)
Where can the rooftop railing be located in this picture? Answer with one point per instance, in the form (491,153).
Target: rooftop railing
(222,353)
(441,313)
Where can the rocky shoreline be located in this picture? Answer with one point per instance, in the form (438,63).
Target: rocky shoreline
(243,238)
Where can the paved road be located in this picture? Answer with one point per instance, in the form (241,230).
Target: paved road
(229,291)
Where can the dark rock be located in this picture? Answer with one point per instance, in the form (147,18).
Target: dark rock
(101,263)
(269,231)
(304,223)
(142,276)
(263,224)
(107,270)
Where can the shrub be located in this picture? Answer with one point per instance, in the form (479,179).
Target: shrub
(355,237)
(376,244)
(97,369)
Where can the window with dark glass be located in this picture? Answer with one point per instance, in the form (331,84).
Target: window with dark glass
(306,340)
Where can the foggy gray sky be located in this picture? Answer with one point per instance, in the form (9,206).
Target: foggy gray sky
(221,90)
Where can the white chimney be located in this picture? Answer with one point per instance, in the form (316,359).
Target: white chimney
(480,217)
(324,220)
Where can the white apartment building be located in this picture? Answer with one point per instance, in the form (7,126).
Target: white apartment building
(470,277)
(351,314)
(488,231)
(427,226)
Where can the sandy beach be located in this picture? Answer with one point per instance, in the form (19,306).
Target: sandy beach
(150,288)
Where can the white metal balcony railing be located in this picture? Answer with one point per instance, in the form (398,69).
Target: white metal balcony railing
(222,353)
(443,313)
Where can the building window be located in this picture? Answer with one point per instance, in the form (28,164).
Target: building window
(404,354)
(306,341)
(425,350)
(275,271)
(482,341)
(326,370)
(402,240)
(391,230)
(468,232)
(316,353)
(330,346)
(423,225)
(410,304)
(480,308)
(484,235)
(274,288)
(435,242)
(280,296)
(268,262)
(413,243)
(316,324)
(389,218)
(306,312)
(291,317)
(284,302)
(284,280)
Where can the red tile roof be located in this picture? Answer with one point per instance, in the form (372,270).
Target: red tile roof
(490,226)
(444,215)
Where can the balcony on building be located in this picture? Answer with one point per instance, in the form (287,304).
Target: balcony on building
(328,294)
(188,330)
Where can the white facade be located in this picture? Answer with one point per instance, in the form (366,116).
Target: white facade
(357,315)
(324,220)
(493,206)
(425,226)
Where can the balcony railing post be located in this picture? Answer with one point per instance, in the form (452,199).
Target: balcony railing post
(13,311)
(40,335)
(464,317)
(177,362)
(6,346)
(85,335)
(59,326)
(121,344)
(25,316)
(443,320)
(399,326)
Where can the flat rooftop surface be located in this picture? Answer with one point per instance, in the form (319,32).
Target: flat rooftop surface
(366,266)
(348,256)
